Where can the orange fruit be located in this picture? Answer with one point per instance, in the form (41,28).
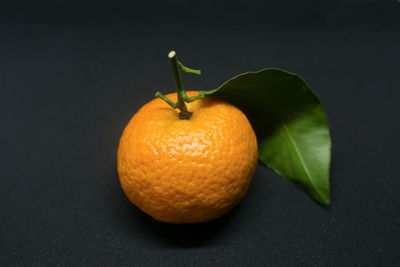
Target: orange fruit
(187,171)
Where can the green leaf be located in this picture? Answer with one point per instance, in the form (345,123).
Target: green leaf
(290,123)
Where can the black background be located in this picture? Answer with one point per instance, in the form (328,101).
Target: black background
(74,72)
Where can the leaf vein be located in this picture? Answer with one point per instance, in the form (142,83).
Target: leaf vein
(311,178)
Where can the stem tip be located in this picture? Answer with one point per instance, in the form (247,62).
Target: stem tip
(171,54)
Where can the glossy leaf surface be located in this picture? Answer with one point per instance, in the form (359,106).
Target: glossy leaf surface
(290,123)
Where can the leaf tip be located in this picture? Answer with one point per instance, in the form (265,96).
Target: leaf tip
(324,200)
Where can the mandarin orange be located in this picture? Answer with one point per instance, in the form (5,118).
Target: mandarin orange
(187,170)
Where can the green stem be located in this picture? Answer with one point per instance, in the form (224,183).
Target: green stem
(184,114)
(166,99)
(186,69)
(182,97)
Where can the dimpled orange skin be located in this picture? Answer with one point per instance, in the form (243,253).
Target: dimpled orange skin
(187,171)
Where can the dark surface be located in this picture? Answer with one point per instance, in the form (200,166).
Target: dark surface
(72,75)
